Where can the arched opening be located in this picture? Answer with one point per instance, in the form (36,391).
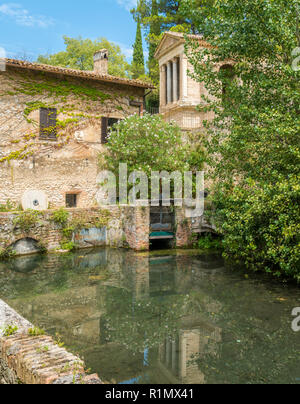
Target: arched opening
(26,246)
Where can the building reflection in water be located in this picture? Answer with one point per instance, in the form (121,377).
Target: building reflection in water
(115,309)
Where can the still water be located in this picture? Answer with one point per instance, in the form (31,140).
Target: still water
(160,318)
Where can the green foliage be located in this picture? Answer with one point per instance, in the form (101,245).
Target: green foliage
(26,220)
(158,16)
(36,332)
(59,89)
(138,62)
(68,246)
(255,132)
(102,220)
(79,55)
(33,106)
(9,207)
(261,226)
(6,253)
(208,242)
(10,330)
(60,217)
(147,143)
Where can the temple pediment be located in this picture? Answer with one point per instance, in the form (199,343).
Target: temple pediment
(172,39)
(168,42)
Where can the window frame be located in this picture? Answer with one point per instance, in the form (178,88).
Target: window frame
(48,120)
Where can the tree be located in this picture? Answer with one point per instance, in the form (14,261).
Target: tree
(254,138)
(138,62)
(155,31)
(146,143)
(79,55)
(156,17)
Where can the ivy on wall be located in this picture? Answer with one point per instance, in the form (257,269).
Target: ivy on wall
(78,104)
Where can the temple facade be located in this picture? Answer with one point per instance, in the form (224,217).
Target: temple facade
(179,93)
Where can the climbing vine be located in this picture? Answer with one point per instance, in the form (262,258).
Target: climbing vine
(70,225)
(78,104)
(26,220)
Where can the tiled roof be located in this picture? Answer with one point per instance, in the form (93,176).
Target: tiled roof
(78,73)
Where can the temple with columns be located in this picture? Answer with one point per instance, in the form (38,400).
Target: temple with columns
(179,93)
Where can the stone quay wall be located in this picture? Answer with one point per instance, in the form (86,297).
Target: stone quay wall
(37,359)
(114,226)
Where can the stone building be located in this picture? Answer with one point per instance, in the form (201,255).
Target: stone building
(54,123)
(179,93)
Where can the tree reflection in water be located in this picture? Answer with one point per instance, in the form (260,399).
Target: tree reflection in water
(139,318)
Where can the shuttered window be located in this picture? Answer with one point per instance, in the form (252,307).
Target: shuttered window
(48,121)
(106,125)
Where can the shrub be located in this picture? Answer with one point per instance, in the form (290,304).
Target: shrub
(149,143)
(27,219)
(6,253)
(60,217)
(68,246)
(261,226)
(35,332)
(8,207)
(9,331)
(208,242)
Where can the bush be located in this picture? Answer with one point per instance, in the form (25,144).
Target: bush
(6,253)
(27,219)
(9,207)
(209,242)
(261,226)
(149,143)
(68,246)
(60,217)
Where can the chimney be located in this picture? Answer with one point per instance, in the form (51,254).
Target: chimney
(101,62)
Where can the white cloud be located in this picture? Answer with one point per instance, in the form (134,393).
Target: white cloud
(128,52)
(127,4)
(21,16)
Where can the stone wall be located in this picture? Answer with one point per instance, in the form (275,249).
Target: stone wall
(37,359)
(122,226)
(68,164)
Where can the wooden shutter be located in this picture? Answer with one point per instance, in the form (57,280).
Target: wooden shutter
(48,121)
(104,130)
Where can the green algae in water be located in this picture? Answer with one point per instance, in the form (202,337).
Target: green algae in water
(163,317)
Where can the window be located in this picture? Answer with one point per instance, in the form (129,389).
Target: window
(48,120)
(227,74)
(71,200)
(106,125)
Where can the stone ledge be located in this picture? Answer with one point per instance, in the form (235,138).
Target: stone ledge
(36,359)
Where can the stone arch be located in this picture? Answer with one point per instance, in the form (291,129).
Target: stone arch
(26,246)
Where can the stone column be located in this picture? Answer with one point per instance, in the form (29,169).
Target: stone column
(163,85)
(169,82)
(184,75)
(175,80)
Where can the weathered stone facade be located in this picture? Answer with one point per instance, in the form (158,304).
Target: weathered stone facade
(125,227)
(67,164)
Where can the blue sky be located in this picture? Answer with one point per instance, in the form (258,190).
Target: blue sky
(34,27)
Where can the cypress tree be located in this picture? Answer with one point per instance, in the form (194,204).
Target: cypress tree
(138,62)
(155,31)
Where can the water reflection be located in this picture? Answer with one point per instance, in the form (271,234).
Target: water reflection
(159,319)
